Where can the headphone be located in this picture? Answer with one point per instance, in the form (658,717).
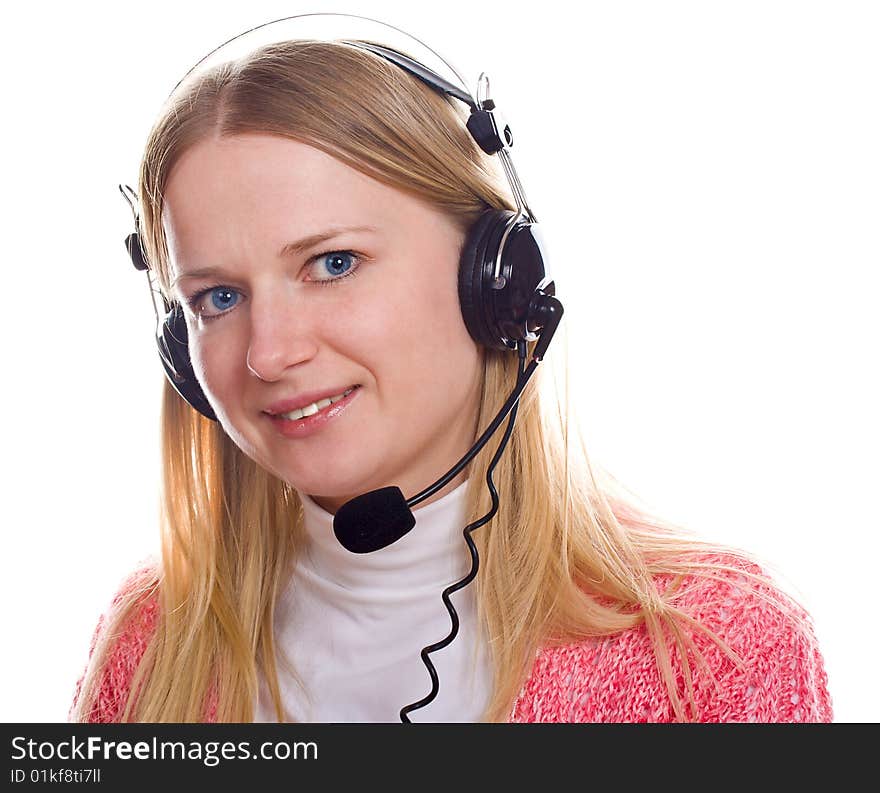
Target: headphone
(504,290)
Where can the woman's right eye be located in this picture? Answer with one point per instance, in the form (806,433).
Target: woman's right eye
(214,301)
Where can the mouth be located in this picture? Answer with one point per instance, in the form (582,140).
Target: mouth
(308,420)
(316,407)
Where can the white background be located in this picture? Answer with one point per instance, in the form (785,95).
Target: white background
(706,175)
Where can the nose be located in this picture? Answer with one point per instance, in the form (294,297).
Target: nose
(281,336)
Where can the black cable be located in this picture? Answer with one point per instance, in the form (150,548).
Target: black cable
(475,559)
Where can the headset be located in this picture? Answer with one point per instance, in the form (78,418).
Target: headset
(507,299)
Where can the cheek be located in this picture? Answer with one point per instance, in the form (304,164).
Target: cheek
(214,356)
(418,336)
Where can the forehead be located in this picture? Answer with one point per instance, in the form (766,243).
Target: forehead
(266,181)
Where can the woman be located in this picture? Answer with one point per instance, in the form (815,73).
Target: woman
(312,164)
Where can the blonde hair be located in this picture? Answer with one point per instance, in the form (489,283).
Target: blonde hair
(570,553)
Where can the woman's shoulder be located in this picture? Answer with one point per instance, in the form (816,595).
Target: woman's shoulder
(776,673)
(123,637)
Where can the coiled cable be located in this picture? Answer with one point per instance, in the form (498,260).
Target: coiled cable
(475,560)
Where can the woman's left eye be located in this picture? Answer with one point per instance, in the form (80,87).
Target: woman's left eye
(334,266)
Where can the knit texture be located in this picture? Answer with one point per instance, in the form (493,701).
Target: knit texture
(612,679)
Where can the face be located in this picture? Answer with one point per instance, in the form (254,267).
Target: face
(303,278)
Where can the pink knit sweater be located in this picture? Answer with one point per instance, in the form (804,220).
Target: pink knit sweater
(614,679)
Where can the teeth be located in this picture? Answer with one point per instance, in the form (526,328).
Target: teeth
(310,410)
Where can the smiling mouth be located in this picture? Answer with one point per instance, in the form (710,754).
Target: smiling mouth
(315,407)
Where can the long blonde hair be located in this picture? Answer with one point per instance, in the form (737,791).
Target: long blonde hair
(570,553)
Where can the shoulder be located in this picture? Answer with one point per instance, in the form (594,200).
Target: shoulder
(771,670)
(120,639)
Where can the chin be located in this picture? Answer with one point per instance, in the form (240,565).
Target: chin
(341,485)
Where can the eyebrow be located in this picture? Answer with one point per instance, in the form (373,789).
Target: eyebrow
(298,247)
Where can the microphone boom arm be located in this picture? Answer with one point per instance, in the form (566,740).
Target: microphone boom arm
(552,309)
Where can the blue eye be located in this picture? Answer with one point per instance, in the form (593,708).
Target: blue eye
(214,301)
(223,298)
(339,264)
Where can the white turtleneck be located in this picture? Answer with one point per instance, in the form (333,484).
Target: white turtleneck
(353,625)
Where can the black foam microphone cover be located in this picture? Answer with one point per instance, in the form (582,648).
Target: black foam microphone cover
(373,520)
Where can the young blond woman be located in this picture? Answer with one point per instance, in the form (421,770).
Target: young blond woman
(586,607)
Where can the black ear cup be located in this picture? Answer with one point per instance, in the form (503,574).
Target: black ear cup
(173,341)
(476,264)
(499,312)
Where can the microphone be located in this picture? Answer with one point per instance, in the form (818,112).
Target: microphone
(377,519)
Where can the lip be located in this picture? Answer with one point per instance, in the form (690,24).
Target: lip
(309,425)
(306,398)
